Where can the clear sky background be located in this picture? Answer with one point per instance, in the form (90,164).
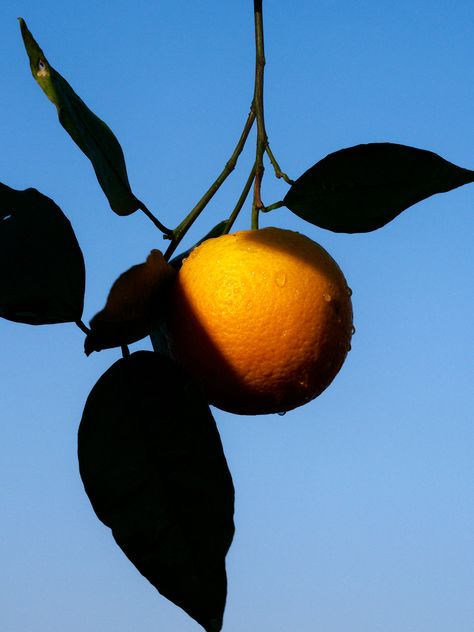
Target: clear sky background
(356,511)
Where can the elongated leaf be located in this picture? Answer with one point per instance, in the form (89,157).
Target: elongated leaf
(42,274)
(153,467)
(362,188)
(134,306)
(87,130)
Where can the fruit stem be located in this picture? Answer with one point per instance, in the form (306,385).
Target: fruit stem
(180,231)
(255,214)
(167,232)
(241,201)
(262,139)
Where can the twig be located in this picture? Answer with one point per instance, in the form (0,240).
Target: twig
(278,172)
(272,207)
(258,106)
(241,200)
(186,224)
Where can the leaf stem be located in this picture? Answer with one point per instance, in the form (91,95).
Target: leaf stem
(84,328)
(272,207)
(186,224)
(167,232)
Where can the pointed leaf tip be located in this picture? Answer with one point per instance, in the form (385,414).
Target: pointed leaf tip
(362,188)
(87,130)
(153,466)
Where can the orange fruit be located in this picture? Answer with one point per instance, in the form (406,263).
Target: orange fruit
(261,319)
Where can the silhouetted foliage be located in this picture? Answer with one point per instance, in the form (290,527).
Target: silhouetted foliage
(42,274)
(86,129)
(134,307)
(153,467)
(362,188)
(150,455)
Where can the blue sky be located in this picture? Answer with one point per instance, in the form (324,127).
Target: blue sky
(354,512)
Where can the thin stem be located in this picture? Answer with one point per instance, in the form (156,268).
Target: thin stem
(255,213)
(272,207)
(186,224)
(125,351)
(258,106)
(241,201)
(278,172)
(84,328)
(166,231)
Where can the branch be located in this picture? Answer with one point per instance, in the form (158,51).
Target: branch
(258,106)
(241,200)
(186,224)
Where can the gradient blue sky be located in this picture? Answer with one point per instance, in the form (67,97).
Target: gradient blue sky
(355,512)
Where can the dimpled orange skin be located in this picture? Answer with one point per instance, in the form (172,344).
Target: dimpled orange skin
(262,319)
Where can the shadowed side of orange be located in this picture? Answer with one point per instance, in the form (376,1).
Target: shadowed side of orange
(262,319)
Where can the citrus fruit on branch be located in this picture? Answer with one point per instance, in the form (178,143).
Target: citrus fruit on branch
(262,320)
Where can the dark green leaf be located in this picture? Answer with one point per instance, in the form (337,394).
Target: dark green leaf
(42,275)
(153,467)
(134,307)
(159,339)
(88,131)
(362,188)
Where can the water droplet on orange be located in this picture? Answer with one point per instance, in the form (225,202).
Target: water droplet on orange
(280,279)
